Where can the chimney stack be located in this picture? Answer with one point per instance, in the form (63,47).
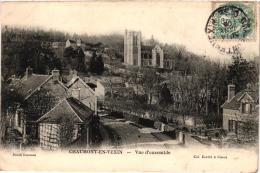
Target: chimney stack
(55,75)
(248,86)
(231,91)
(75,73)
(28,72)
(78,42)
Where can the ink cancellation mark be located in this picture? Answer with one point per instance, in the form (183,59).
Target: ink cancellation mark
(230,22)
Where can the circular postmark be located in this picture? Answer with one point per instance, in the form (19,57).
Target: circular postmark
(228,23)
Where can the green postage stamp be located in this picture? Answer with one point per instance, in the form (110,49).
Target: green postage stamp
(230,25)
(232,20)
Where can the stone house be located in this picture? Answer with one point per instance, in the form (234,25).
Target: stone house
(100,90)
(239,108)
(71,43)
(108,85)
(41,93)
(69,121)
(78,89)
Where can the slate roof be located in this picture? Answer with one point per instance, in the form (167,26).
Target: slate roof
(234,103)
(70,108)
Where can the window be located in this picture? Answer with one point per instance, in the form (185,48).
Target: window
(158,57)
(149,62)
(18,118)
(232,126)
(135,61)
(135,40)
(246,108)
(177,105)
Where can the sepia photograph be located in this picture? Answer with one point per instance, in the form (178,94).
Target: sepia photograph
(147,85)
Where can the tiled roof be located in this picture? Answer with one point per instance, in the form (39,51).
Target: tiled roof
(27,86)
(77,78)
(83,111)
(234,102)
(72,81)
(70,108)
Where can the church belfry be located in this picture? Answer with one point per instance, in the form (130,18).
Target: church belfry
(143,53)
(132,47)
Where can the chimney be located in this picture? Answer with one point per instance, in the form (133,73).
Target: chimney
(248,86)
(231,91)
(55,75)
(75,73)
(67,44)
(78,42)
(28,72)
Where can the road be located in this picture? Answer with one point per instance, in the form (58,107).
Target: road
(122,133)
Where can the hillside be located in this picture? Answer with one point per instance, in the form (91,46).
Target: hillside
(25,48)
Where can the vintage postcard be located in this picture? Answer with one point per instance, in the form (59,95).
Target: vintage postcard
(143,86)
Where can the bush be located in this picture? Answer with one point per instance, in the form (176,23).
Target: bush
(146,122)
(172,134)
(116,114)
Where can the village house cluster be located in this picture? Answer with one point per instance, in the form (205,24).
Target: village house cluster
(65,107)
(48,103)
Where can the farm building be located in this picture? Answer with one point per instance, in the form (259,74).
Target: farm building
(67,122)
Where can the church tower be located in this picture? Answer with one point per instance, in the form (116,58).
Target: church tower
(132,48)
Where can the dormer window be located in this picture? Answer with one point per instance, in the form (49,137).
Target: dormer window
(246,108)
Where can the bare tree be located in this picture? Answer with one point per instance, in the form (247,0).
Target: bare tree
(150,81)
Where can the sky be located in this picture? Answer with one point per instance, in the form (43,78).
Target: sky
(168,21)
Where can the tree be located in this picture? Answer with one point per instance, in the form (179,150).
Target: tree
(80,56)
(166,97)
(249,130)
(241,72)
(10,99)
(96,64)
(99,65)
(92,67)
(74,58)
(66,131)
(18,56)
(218,88)
(180,86)
(150,81)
